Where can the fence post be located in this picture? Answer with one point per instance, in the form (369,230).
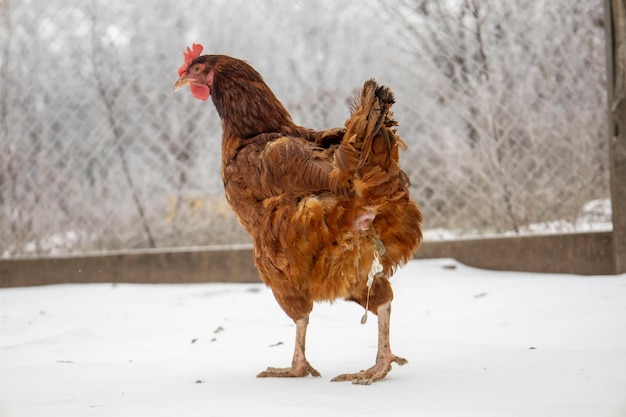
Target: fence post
(615,24)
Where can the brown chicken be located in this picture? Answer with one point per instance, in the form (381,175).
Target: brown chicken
(328,210)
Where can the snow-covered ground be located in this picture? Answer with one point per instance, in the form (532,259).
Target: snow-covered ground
(479,343)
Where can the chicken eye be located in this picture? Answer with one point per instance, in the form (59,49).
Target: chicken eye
(197,68)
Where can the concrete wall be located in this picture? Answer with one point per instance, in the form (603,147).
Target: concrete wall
(150,266)
(585,254)
(580,253)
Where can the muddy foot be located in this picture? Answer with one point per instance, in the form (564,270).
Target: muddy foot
(293,372)
(373,374)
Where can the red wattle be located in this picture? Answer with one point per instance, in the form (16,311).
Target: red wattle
(201,92)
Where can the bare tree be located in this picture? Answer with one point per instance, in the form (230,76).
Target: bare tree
(504,77)
(109,95)
(502,105)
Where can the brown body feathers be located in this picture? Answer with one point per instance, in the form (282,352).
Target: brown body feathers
(299,192)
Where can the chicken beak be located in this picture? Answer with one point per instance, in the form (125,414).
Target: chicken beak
(182,82)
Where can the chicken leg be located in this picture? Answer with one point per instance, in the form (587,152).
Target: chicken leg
(384,357)
(300,367)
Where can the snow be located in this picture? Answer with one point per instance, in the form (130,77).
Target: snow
(479,343)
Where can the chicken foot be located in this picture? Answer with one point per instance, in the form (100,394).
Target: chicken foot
(300,367)
(384,357)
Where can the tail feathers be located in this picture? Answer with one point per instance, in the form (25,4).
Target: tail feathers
(367,158)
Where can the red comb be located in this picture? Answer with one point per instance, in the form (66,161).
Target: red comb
(191,54)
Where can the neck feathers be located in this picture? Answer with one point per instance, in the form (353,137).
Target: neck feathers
(245,103)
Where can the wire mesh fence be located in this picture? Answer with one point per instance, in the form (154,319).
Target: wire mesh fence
(503,105)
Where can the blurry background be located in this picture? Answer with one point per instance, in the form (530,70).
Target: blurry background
(503,105)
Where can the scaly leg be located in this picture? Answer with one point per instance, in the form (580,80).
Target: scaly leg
(299,365)
(384,357)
